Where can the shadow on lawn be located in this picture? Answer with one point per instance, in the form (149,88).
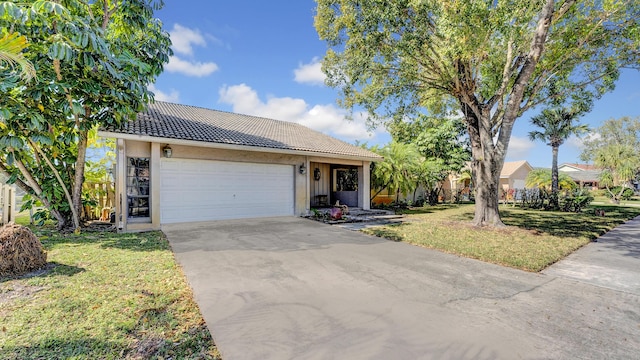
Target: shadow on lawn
(427,209)
(564,224)
(389,232)
(50,270)
(144,241)
(63,349)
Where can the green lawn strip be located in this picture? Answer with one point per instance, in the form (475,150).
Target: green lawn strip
(108,296)
(532,241)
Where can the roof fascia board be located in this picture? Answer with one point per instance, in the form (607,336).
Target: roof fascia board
(171,141)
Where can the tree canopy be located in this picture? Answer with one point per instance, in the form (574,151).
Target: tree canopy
(615,147)
(94,60)
(443,147)
(489,61)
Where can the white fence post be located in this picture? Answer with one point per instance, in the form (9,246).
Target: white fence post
(8,200)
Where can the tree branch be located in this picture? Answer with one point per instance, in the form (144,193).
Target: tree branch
(23,185)
(36,187)
(76,219)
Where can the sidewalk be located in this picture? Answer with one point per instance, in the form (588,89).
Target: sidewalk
(612,262)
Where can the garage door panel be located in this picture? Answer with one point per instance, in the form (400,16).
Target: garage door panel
(200,190)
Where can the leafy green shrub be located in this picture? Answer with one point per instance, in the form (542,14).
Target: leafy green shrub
(576,200)
(627,193)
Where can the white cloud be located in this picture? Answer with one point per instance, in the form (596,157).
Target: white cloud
(183,39)
(190,68)
(310,73)
(173,96)
(519,148)
(578,142)
(323,118)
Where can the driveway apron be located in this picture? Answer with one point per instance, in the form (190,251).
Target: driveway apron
(291,288)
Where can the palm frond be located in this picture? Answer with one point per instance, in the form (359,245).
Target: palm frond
(11,47)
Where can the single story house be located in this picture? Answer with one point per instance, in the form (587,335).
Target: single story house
(586,178)
(178,163)
(514,174)
(585,175)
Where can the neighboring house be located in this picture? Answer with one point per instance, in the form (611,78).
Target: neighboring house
(585,175)
(514,174)
(178,163)
(568,167)
(457,184)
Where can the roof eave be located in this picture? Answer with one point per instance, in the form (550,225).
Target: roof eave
(213,145)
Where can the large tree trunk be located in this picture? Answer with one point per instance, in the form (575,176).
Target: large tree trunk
(490,136)
(487,192)
(486,166)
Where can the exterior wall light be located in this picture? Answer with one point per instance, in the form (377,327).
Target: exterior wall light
(316,174)
(167,151)
(303,169)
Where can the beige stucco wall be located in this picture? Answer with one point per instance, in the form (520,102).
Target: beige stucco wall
(520,174)
(321,187)
(302,183)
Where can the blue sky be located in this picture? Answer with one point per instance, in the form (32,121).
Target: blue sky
(262,58)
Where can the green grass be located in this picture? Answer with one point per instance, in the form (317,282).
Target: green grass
(23,218)
(531,241)
(105,296)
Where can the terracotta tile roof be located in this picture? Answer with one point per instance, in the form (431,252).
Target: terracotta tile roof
(512,166)
(585,167)
(175,121)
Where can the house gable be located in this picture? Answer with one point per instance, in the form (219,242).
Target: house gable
(509,169)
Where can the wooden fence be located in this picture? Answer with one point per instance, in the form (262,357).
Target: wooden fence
(103,195)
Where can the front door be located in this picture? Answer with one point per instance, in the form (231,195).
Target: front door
(345,185)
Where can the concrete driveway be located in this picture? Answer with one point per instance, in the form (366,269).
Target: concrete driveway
(291,288)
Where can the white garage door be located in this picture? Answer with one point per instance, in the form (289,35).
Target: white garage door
(201,190)
(518,184)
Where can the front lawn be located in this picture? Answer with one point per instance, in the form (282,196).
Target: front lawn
(104,296)
(532,241)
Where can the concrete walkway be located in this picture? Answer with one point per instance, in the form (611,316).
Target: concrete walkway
(612,262)
(290,288)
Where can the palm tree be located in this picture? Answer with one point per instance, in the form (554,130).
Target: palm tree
(620,165)
(541,179)
(397,170)
(11,46)
(557,125)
